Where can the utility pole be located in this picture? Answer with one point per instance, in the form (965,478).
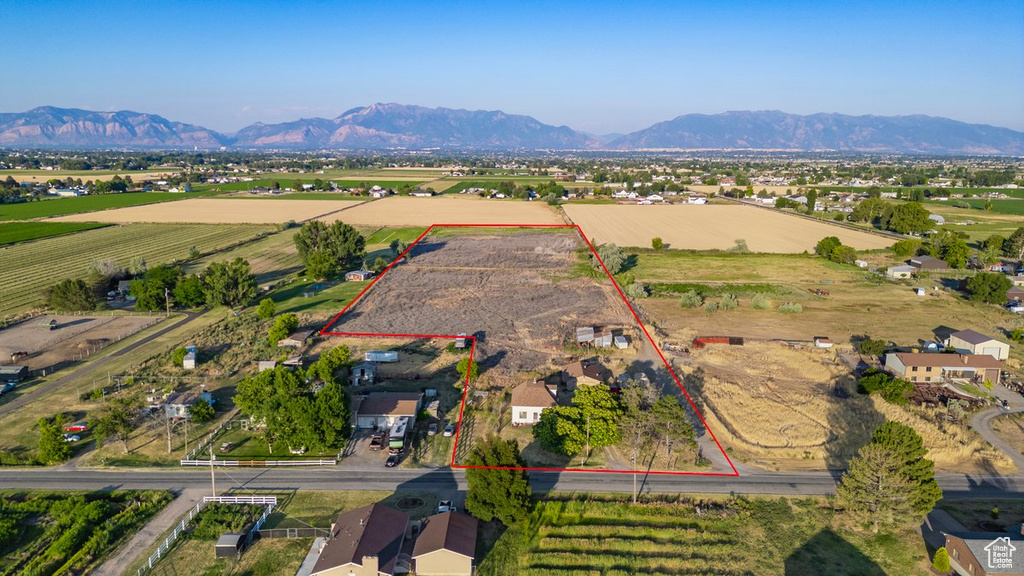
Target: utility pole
(634,478)
(167,299)
(213,481)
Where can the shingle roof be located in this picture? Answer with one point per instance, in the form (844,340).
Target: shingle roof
(451,531)
(390,404)
(949,360)
(373,530)
(978,541)
(971,337)
(532,394)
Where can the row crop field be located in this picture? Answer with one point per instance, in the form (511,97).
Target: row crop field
(221,211)
(32,267)
(14,232)
(63,206)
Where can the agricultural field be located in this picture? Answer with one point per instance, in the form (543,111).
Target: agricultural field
(83,204)
(221,211)
(32,267)
(685,535)
(14,232)
(69,532)
(1014,206)
(86,175)
(409,211)
(712,227)
(982,223)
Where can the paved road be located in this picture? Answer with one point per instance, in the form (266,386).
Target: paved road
(92,366)
(809,483)
(982,422)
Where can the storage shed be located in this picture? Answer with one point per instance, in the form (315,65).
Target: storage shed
(13,373)
(381,356)
(231,545)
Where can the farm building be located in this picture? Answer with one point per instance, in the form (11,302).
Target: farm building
(971,342)
(366,541)
(590,336)
(928,263)
(363,373)
(189,361)
(822,342)
(937,218)
(924,367)
(860,263)
(297,339)
(13,373)
(230,545)
(972,553)
(528,401)
(584,373)
(381,356)
(621,342)
(264,365)
(359,275)
(177,405)
(898,272)
(460,342)
(446,545)
(382,409)
(293,362)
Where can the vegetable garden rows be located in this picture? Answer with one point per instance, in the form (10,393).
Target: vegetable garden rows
(31,268)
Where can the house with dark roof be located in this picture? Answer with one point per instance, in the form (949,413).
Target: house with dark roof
(446,546)
(383,409)
(971,342)
(297,339)
(584,373)
(928,367)
(364,542)
(928,263)
(985,553)
(529,400)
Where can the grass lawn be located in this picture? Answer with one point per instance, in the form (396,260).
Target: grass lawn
(985,515)
(62,206)
(607,535)
(325,302)
(14,232)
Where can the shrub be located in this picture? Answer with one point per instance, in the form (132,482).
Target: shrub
(266,309)
(994,513)
(691,299)
(790,308)
(870,347)
(740,247)
(657,243)
(1017,335)
(178,356)
(941,560)
(760,302)
(906,247)
(729,302)
(711,307)
(636,291)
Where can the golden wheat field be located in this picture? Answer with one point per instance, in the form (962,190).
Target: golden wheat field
(409,211)
(218,211)
(777,407)
(711,227)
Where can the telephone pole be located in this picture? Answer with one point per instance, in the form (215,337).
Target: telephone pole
(213,481)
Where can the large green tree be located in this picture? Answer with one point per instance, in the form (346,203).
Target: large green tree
(229,284)
(116,420)
(613,257)
(908,445)
(52,447)
(496,489)
(989,287)
(325,250)
(590,422)
(908,218)
(284,325)
(71,295)
(1014,245)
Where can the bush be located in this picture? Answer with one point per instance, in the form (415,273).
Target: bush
(869,347)
(178,356)
(266,309)
(1017,335)
(636,291)
(941,560)
(729,302)
(892,390)
(906,247)
(790,308)
(740,247)
(691,299)
(283,326)
(760,302)
(657,243)
(711,307)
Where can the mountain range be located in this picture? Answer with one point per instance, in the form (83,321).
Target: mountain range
(391,126)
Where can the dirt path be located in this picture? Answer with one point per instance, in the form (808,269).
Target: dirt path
(129,552)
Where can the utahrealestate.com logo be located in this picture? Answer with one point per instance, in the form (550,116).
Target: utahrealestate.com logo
(1000,553)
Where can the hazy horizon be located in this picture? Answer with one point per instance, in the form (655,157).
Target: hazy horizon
(595,67)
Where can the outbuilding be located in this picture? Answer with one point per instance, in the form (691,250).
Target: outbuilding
(230,545)
(900,272)
(359,275)
(971,342)
(13,373)
(297,339)
(381,356)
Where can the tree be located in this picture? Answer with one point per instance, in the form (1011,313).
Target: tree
(496,490)
(826,246)
(613,257)
(906,247)
(266,309)
(52,447)
(189,293)
(329,248)
(909,448)
(330,362)
(873,489)
(284,325)
(636,291)
(229,283)
(152,289)
(137,266)
(464,367)
(657,243)
(71,295)
(870,347)
(940,562)
(812,198)
(116,421)
(590,422)
(1014,245)
(988,287)
(908,218)
(201,411)
(379,265)
(869,210)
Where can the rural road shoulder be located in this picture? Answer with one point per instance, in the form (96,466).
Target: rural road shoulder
(91,367)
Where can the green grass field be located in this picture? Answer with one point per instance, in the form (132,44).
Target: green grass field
(64,206)
(999,205)
(14,232)
(738,537)
(31,267)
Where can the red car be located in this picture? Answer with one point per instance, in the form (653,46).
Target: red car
(79,427)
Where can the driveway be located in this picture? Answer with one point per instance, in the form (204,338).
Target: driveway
(982,422)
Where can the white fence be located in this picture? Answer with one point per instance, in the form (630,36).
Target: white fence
(258,463)
(166,544)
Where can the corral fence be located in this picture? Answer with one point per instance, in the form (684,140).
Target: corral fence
(259,463)
(293,533)
(269,501)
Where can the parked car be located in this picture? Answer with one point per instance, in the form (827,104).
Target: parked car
(7,388)
(72,437)
(446,506)
(76,427)
(299,451)
(225,446)
(377,442)
(432,429)
(394,459)
(449,430)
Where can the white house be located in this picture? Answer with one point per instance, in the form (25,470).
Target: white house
(897,272)
(697,199)
(971,342)
(528,401)
(383,409)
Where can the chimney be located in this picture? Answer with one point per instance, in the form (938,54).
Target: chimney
(371,565)
(963,358)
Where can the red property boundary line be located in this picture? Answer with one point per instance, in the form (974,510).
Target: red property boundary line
(472,349)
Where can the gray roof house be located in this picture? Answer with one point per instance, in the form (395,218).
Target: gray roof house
(366,541)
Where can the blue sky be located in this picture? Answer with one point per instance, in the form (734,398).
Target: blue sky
(595,66)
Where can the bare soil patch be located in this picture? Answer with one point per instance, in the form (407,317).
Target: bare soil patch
(409,211)
(218,211)
(74,338)
(711,227)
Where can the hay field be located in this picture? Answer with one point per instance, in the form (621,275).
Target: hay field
(218,211)
(776,407)
(94,175)
(711,227)
(409,211)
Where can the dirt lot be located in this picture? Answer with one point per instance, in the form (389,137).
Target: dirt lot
(219,211)
(514,291)
(74,336)
(711,227)
(408,211)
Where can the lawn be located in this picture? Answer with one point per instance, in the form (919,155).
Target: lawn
(999,205)
(985,515)
(14,232)
(63,206)
(685,535)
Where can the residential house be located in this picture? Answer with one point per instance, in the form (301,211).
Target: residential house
(697,199)
(924,367)
(363,373)
(383,409)
(446,545)
(296,340)
(986,553)
(359,275)
(421,193)
(921,263)
(971,342)
(1016,293)
(366,541)
(900,272)
(1017,280)
(529,400)
(584,373)
(177,405)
